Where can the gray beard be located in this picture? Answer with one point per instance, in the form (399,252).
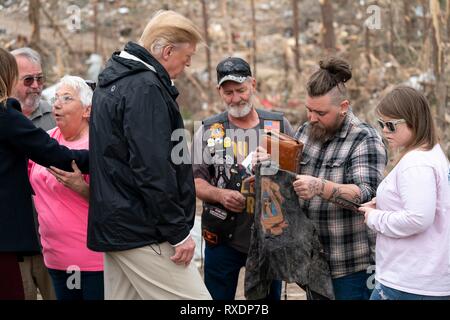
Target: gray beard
(30,104)
(240,112)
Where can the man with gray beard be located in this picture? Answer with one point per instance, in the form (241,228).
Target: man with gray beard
(220,147)
(28,91)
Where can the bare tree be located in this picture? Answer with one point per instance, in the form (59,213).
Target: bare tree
(447,13)
(296,36)
(439,64)
(95,4)
(252,2)
(227,27)
(367,45)
(328,36)
(408,21)
(426,24)
(207,50)
(34,7)
(391,28)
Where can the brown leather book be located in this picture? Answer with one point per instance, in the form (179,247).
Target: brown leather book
(290,150)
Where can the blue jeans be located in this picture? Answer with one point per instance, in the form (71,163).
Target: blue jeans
(352,287)
(91,285)
(222,266)
(381,292)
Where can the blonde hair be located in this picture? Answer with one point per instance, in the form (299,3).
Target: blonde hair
(8,74)
(168,28)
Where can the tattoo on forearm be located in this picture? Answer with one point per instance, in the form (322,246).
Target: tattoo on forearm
(322,189)
(343,199)
(315,187)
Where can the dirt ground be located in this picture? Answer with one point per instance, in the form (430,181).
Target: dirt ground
(290,292)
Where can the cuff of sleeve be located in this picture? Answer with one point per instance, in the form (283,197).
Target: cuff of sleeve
(366,193)
(372,218)
(182,241)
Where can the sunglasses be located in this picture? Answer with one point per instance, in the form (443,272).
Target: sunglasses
(28,80)
(390,124)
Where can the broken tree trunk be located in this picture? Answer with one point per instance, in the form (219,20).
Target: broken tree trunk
(227,27)
(34,7)
(95,4)
(391,28)
(328,36)
(296,36)
(439,64)
(408,21)
(252,2)
(207,50)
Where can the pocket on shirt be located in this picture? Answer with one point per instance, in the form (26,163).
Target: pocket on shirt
(335,170)
(303,166)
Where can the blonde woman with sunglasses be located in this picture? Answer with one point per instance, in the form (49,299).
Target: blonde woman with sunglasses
(411,213)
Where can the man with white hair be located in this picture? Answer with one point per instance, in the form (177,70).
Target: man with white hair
(28,91)
(227,215)
(142,201)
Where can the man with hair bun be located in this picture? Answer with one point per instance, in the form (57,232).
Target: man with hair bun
(142,204)
(342,163)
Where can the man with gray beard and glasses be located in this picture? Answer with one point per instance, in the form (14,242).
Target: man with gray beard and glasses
(220,147)
(28,89)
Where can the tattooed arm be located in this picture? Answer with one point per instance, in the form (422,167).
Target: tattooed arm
(308,187)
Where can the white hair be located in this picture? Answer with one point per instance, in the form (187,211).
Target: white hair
(79,85)
(28,53)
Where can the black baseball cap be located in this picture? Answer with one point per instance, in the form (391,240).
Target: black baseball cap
(233,69)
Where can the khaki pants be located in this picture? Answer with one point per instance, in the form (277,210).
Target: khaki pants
(35,276)
(147,273)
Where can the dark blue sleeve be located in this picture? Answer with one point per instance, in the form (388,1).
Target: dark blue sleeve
(36,144)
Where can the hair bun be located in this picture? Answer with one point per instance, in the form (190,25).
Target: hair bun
(338,68)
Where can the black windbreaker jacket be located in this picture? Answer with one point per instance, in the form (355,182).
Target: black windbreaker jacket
(138,195)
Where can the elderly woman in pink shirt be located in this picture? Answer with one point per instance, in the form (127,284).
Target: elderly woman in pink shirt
(411,213)
(61,200)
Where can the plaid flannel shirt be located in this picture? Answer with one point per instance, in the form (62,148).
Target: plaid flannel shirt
(355,155)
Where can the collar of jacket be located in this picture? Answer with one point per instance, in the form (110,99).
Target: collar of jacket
(142,54)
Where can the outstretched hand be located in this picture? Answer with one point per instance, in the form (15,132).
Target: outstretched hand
(72,180)
(368,207)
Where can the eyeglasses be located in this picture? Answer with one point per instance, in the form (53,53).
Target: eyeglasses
(28,80)
(63,99)
(390,124)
